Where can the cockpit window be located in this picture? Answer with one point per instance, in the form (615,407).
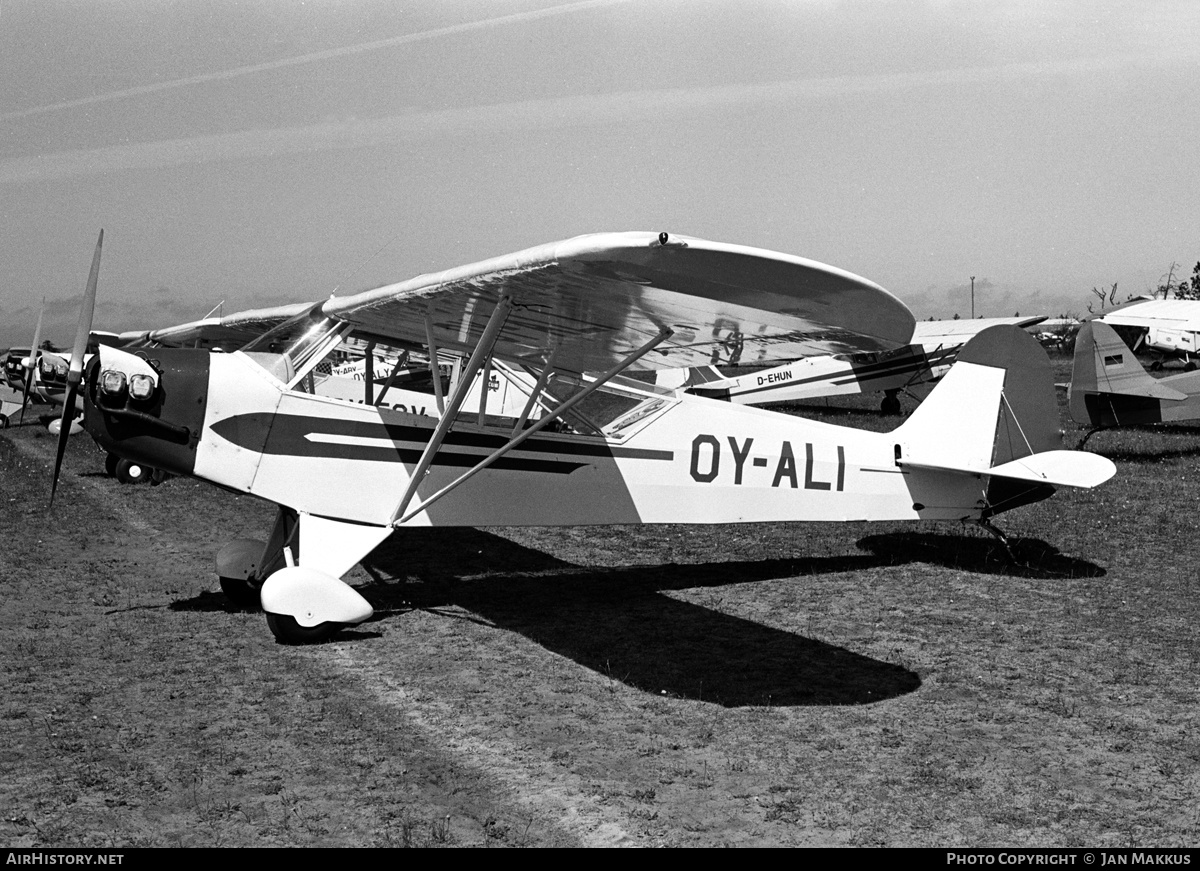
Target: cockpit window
(291,350)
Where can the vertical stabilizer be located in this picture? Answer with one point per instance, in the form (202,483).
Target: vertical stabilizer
(1000,406)
(1109,387)
(995,405)
(1028,422)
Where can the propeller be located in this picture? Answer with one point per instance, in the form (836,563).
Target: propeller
(75,372)
(33,355)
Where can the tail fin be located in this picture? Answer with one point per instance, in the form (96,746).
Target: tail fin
(1104,364)
(1000,406)
(688,378)
(995,413)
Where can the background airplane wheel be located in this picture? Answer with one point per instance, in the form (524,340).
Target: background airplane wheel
(241,592)
(3,421)
(110,465)
(287,631)
(129,472)
(890,405)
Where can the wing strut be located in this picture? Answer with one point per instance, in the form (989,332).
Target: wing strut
(401,360)
(433,365)
(483,351)
(542,380)
(32,359)
(399,517)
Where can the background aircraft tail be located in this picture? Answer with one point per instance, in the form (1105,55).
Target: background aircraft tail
(1104,364)
(1109,387)
(995,414)
(688,377)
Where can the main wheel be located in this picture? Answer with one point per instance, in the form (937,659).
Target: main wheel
(241,592)
(287,631)
(110,465)
(129,472)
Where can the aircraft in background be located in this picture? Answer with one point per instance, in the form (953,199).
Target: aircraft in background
(8,407)
(1109,388)
(927,357)
(608,449)
(1170,327)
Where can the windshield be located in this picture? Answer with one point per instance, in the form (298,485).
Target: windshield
(291,350)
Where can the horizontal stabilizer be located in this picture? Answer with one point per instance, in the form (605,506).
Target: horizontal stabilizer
(1057,468)
(1061,468)
(1157,390)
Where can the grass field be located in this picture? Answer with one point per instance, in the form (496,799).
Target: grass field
(842,684)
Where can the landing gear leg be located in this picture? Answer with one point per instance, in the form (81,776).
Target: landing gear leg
(244,563)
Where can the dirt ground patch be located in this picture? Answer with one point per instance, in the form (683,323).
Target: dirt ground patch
(848,684)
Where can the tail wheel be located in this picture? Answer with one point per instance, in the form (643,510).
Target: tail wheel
(287,631)
(129,472)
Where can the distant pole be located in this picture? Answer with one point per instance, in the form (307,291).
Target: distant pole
(972,297)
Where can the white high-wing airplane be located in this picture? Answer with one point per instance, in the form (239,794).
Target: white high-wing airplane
(611,451)
(927,357)
(1169,326)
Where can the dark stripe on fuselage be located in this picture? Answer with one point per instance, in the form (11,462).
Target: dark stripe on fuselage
(290,435)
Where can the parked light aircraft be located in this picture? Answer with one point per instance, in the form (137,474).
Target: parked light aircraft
(1169,326)
(1109,387)
(927,357)
(611,450)
(8,407)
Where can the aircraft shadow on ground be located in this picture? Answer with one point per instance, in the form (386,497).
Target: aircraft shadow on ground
(1031,557)
(619,623)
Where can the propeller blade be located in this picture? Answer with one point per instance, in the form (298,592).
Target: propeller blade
(84,329)
(75,372)
(25,394)
(33,355)
(64,433)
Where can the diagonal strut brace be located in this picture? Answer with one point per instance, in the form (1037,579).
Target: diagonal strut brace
(512,443)
(483,351)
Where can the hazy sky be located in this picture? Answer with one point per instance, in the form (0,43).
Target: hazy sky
(267,152)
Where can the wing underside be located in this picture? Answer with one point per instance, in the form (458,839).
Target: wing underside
(592,300)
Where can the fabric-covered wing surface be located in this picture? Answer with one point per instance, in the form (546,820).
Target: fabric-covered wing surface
(1171,314)
(935,333)
(229,332)
(596,298)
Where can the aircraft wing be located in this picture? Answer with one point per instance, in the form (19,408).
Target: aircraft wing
(1171,314)
(230,331)
(593,299)
(932,335)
